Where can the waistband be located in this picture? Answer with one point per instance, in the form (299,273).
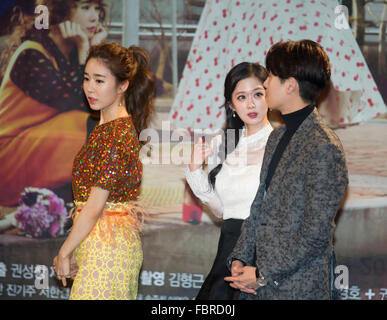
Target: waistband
(115,207)
(107,213)
(133,210)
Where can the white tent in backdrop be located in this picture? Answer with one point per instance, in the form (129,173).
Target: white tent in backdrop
(232,31)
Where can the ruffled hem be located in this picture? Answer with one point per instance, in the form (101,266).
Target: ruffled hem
(117,218)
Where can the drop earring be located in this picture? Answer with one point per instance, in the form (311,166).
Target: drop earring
(233,114)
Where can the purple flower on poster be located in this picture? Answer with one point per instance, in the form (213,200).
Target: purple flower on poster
(41,213)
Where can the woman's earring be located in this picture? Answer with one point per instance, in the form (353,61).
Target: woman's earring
(233,114)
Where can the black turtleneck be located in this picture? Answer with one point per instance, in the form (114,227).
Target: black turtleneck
(292,122)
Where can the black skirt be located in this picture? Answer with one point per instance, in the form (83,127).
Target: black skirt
(214,286)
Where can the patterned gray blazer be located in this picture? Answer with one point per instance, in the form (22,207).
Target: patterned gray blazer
(289,233)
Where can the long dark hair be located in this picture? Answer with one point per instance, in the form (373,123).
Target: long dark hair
(130,64)
(234,124)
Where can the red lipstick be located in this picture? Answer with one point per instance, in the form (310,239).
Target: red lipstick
(91,100)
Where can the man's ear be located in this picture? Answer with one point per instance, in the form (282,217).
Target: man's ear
(292,86)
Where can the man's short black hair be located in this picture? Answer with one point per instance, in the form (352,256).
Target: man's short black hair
(304,60)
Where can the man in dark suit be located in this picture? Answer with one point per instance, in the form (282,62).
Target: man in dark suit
(285,250)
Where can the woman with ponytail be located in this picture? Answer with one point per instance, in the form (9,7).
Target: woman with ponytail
(107,172)
(231,185)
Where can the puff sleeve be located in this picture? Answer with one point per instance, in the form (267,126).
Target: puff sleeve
(118,168)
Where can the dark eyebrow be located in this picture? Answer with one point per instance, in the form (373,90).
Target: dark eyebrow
(257,88)
(95,75)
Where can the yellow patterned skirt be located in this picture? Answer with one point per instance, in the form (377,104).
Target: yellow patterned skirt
(109,259)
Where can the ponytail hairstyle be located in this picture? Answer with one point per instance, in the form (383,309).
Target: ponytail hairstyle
(130,64)
(239,72)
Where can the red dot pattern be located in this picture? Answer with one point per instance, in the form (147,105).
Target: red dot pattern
(233,31)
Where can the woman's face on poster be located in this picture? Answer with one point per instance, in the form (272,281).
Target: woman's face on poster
(86,14)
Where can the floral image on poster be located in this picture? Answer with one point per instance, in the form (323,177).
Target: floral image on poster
(40,214)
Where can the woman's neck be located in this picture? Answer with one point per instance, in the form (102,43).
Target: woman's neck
(250,130)
(112,113)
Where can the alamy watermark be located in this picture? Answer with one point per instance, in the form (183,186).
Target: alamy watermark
(342,18)
(342,279)
(41,277)
(175,146)
(41,20)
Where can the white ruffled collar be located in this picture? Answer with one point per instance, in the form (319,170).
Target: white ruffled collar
(264,132)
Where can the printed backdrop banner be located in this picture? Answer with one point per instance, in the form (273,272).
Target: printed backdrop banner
(231,31)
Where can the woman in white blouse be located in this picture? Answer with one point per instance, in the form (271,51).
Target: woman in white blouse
(234,163)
